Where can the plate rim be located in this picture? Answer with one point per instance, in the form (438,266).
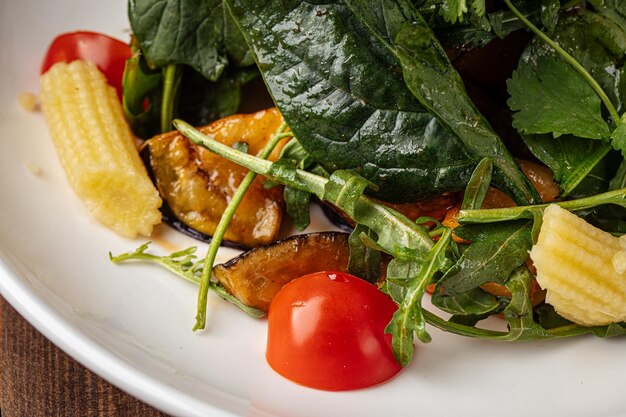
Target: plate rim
(95,357)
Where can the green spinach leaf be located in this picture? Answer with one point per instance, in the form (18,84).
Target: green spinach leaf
(573,160)
(610,218)
(203,101)
(438,86)
(198,33)
(332,71)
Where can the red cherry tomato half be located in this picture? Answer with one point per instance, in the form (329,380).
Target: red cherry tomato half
(327,331)
(109,54)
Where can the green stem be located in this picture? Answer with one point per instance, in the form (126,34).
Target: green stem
(569,330)
(571,60)
(175,262)
(171,82)
(312,183)
(184,264)
(222,226)
(391,227)
(461,329)
(617,197)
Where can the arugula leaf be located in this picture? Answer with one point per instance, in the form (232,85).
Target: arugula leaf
(184,264)
(469,303)
(297,201)
(497,249)
(199,33)
(364,262)
(332,71)
(477,186)
(549,96)
(297,207)
(610,330)
(519,312)
(409,318)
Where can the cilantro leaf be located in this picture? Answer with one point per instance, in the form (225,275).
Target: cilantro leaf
(454,10)
(549,96)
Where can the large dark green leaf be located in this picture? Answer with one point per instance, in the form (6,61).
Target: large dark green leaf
(333,72)
(203,101)
(570,158)
(497,249)
(199,33)
(438,86)
(339,85)
(610,218)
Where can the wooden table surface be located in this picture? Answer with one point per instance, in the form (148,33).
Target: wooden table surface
(38,379)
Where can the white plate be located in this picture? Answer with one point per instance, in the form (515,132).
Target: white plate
(132,324)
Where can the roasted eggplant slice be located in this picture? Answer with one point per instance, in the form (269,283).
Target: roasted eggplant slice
(257,275)
(198,184)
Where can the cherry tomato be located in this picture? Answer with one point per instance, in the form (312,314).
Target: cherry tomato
(107,53)
(326,331)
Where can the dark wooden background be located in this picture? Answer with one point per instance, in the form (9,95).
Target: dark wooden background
(37,379)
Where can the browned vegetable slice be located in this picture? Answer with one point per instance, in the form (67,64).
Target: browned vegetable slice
(257,275)
(198,184)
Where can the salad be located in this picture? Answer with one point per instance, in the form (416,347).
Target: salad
(374,98)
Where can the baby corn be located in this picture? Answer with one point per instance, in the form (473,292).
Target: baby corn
(97,150)
(582,268)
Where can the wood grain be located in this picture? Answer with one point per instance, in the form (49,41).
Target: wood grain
(38,379)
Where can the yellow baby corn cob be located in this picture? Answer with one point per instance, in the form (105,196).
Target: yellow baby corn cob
(97,149)
(582,268)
